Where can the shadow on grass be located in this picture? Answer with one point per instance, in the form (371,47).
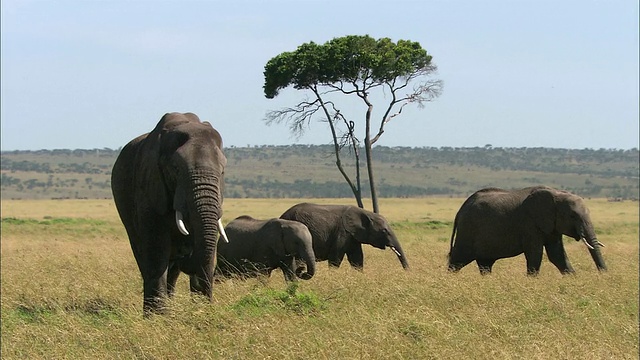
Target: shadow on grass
(95,309)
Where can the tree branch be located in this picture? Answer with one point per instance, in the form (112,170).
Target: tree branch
(297,117)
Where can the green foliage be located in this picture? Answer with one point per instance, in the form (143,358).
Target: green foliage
(270,300)
(347,59)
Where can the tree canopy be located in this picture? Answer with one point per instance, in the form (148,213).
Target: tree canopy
(349,59)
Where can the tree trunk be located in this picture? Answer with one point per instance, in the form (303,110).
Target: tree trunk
(357,193)
(367,149)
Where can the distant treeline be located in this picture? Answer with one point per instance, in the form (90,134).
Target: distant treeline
(308,171)
(602,161)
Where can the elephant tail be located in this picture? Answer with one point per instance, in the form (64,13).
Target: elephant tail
(453,236)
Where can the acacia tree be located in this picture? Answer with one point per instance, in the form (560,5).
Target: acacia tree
(356,66)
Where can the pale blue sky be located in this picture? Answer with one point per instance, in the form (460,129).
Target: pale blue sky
(94,74)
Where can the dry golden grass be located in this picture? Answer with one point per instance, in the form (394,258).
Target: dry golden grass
(71,289)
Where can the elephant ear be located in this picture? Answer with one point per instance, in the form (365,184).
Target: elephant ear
(540,206)
(156,154)
(357,223)
(276,240)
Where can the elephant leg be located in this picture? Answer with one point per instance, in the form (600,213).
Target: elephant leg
(335,257)
(534,260)
(287,267)
(154,267)
(172,278)
(455,267)
(193,283)
(155,292)
(485,265)
(558,256)
(459,259)
(355,256)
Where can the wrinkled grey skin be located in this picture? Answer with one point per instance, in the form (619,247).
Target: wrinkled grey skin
(340,230)
(494,224)
(177,167)
(257,247)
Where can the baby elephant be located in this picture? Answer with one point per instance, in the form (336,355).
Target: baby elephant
(257,247)
(494,224)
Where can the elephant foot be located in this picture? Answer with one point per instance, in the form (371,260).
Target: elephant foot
(154,307)
(454,268)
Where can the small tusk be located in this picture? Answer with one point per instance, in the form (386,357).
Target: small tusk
(395,251)
(586,243)
(595,241)
(222,232)
(180,224)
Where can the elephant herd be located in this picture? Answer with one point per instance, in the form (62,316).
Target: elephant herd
(168,189)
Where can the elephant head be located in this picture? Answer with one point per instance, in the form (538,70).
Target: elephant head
(296,240)
(370,228)
(567,214)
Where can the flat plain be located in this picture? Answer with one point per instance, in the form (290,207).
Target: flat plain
(70,288)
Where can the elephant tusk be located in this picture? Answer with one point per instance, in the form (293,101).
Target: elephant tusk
(586,243)
(395,251)
(180,224)
(222,232)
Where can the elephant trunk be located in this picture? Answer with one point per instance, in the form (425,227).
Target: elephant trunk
(305,252)
(204,211)
(597,258)
(592,243)
(397,249)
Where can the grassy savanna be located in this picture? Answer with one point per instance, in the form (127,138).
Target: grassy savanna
(71,289)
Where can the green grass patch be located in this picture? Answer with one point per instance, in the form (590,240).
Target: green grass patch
(288,300)
(79,227)
(422,225)
(53,221)
(30,313)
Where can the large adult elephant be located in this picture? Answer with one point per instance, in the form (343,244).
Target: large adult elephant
(494,224)
(260,246)
(342,229)
(167,186)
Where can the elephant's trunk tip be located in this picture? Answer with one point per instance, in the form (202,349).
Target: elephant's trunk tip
(302,274)
(594,246)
